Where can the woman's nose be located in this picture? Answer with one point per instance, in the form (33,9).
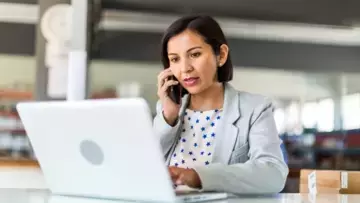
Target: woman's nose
(186,66)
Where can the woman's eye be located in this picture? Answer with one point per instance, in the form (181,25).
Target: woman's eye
(197,54)
(174,60)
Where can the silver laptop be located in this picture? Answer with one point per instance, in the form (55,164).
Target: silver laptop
(101,149)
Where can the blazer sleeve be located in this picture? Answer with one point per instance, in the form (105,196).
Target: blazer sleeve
(163,130)
(265,171)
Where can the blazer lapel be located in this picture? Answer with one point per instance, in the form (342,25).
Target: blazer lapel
(226,132)
(184,104)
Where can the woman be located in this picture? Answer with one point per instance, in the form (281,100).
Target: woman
(217,138)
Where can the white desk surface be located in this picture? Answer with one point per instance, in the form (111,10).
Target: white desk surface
(42,196)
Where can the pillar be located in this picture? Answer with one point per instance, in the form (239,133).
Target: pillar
(77,86)
(339,89)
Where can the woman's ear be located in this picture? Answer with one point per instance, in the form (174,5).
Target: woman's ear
(223,55)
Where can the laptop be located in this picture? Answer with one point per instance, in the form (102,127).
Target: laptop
(102,149)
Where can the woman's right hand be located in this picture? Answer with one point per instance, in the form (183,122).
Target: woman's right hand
(170,108)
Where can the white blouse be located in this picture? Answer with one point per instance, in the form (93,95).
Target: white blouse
(196,144)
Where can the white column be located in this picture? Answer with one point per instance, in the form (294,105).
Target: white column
(339,90)
(78,57)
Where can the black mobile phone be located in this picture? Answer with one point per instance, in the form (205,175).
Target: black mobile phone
(175,91)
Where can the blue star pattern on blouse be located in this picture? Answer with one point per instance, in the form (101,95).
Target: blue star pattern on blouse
(195,146)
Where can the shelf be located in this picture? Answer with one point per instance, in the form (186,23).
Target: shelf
(18,163)
(13,131)
(323,150)
(15,94)
(9,115)
(346,151)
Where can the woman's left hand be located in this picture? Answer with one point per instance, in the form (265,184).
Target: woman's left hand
(182,176)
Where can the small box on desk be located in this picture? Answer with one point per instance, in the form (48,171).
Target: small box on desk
(329,181)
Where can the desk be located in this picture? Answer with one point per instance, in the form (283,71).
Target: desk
(43,196)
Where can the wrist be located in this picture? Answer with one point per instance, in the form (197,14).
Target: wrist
(169,119)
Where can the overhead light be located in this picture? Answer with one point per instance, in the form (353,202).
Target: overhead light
(236,28)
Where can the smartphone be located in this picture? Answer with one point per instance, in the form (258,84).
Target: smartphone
(175,91)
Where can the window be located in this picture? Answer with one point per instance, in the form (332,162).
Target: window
(325,115)
(309,115)
(279,116)
(292,122)
(351,111)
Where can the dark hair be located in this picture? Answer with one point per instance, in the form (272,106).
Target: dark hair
(210,30)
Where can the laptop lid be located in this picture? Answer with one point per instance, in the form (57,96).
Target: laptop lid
(98,148)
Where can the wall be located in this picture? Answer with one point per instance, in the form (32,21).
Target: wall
(15,69)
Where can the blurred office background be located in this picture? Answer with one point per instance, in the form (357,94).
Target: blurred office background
(305,55)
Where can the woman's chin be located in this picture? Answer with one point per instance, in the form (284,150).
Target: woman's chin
(194,90)
(198,89)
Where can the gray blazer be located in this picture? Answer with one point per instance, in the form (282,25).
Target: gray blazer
(247,158)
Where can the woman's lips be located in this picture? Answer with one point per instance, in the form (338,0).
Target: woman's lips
(191,81)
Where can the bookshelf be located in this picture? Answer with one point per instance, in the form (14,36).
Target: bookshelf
(15,148)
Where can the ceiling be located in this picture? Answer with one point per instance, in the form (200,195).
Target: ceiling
(328,12)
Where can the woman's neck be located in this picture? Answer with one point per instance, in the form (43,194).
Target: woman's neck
(211,98)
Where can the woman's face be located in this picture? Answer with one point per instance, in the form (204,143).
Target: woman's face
(193,62)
